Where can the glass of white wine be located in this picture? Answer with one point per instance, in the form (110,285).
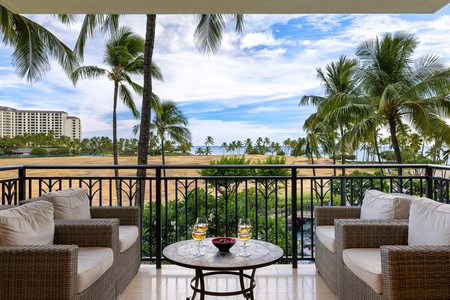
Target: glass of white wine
(199,236)
(244,234)
(201,225)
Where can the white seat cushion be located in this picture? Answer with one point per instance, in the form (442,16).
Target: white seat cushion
(429,223)
(379,205)
(30,224)
(93,262)
(69,204)
(326,236)
(365,263)
(128,234)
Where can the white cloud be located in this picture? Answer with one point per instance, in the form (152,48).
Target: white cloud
(259,39)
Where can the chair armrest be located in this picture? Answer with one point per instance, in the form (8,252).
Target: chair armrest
(416,272)
(325,215)
(128,215)
(88,233)
(370,233)
(22,202)
(3,207)
(50,271)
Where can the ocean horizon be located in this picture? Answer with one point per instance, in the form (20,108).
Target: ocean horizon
(218,150)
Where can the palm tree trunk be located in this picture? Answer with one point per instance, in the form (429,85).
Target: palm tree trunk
(395,145)
(115,151)
(375,138)
(162,156)
(144,134)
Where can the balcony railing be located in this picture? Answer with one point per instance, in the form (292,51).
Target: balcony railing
(281,207)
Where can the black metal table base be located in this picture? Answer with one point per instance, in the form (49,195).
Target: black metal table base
(199,280)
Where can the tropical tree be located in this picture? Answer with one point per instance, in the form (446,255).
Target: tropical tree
(170,123)
(403,91)
(186,147)
(208,141)
(124,57)
(34,46)
(224,146)
(341,91)
(208,37)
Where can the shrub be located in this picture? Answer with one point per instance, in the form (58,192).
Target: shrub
(39,152)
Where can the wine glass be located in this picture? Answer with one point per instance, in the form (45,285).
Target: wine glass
(201,225)
(199,236)
(244,234)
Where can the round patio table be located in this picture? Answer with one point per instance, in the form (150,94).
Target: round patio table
(222,263)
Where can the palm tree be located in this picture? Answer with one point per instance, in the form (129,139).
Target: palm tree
(405,91)
(34,46)
(208,37)
(341,90)
(124,57)
(224,146)
(209,141)
(239,145)
(170,122)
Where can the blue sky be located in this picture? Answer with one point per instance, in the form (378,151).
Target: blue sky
(250,89)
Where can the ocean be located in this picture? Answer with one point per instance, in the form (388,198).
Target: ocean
(218,150)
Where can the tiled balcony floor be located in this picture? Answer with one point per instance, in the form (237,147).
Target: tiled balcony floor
(276,282)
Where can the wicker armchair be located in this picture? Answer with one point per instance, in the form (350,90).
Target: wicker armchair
(50,272)
(127,262)
(326,259)
(407,272)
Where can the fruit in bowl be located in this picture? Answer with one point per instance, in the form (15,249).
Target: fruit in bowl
(224,243)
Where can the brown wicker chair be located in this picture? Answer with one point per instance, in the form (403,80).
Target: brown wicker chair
(50,272)
(128,262)
(325,259)
(408,272)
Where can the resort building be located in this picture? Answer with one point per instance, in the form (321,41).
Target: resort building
(18,122)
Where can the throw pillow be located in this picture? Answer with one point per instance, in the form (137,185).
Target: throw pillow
(429,223)
(379,205)
(30,224)
(69,204)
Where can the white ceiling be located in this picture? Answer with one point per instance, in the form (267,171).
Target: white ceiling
(222,6)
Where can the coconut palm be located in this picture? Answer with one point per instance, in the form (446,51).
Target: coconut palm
(224,146)
(209,141)
(341,90)
(208,37)
(123,55)
(170,123)
(405,91)
(106,24)
(34,46)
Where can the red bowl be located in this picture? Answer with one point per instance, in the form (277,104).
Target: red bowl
(224,243)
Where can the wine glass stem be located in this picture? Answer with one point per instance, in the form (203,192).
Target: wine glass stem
(245,247)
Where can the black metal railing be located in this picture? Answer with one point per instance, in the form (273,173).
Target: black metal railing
(280,207)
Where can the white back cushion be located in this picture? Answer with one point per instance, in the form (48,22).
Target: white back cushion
(379,205)
(30,224)
(429,223)
(69,204)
